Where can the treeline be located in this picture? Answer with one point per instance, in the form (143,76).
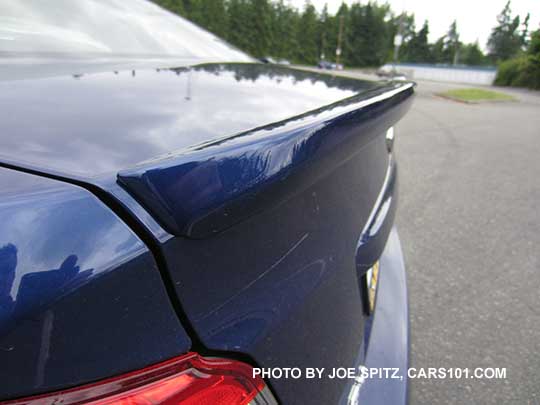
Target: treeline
(273,28)
(518,52)
(265,28)
(522,70)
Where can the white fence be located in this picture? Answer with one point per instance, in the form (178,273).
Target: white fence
(457,74)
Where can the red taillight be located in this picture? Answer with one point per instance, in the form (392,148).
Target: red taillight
(185,380)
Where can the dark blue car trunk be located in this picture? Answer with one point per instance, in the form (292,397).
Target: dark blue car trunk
(270,234)
(262,192)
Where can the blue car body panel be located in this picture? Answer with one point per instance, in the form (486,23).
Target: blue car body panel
(262,193)
(95,125)
(277,226)
(283,284)
(202,191)
(389,337)
(80,295)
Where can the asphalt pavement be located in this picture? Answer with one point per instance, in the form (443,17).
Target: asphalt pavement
(469,220)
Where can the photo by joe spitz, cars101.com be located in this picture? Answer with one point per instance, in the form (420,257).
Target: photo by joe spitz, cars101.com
(180,223)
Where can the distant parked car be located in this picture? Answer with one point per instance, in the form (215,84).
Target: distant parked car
(399,77)
(268,59)
(283,62)
(324,64)
(390,72)
(385,70)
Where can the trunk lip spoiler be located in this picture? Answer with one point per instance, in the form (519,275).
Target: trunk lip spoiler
(207,189)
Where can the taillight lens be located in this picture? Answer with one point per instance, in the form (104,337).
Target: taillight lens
(186,380)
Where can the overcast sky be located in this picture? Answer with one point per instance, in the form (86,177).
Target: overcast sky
(475,18)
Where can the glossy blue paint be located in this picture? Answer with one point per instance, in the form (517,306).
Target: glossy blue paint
(389,338)
(94,125)
(379,224)
(282,285)
(386,343)
(262,192)
(276,177)
(210,188)
(80,295)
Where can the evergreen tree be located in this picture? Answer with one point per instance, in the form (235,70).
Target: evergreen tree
(262,35)
(379,38)
(405,26)
(239,31)
(355,34)
(402,25)
(446,49)
(525,31)
(472,55)
(452,44)
(274,28)
(211,15)
(176,6)
(285,27)
(308,51)
(524,70)
(328,31)
(343,18)
(417,49)
(437,51)
(505,40)
(368,34)
(534,44)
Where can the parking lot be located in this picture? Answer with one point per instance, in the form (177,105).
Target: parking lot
(470,227)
